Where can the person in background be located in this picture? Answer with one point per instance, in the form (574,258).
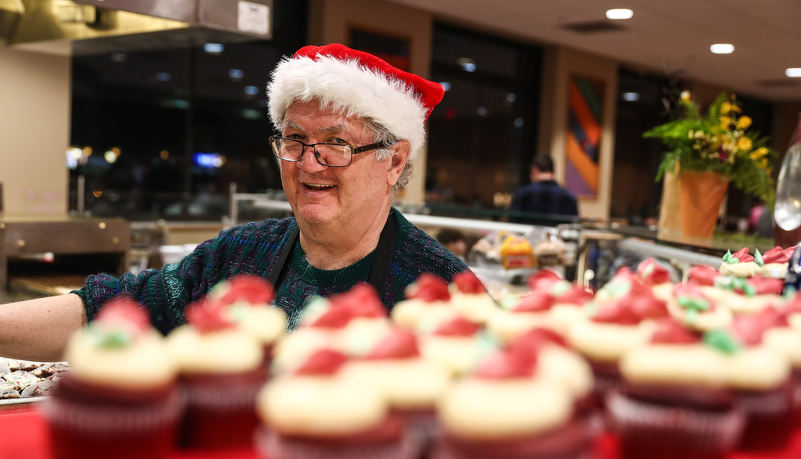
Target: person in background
(349,128)
(454,240)
(547,201)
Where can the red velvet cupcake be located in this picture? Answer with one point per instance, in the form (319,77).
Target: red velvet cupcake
(120,398)
(221,371)
(319,411)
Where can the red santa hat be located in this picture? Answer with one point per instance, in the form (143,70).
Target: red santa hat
(358,82)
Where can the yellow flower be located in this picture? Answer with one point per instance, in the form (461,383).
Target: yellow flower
(759,153)
(725,108)
(743,122)
(744,143)
(725,122)
(685,96)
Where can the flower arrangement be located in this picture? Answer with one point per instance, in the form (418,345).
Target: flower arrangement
(718,142)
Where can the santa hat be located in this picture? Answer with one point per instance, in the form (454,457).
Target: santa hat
(359,82)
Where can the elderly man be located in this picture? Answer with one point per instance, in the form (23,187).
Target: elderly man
(350,125)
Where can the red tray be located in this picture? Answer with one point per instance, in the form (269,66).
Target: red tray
(23,435)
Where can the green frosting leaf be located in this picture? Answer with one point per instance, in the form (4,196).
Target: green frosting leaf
(693,303)
(722,341)
(758,258)
(730,259)
(115,338)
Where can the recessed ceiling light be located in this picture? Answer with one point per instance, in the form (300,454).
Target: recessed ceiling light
(794,72)
(631,96)
(722,48)
(619,13)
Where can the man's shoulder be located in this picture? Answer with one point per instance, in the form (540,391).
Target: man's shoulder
(423,251)
(264,230)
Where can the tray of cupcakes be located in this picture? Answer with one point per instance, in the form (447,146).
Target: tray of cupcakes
(647,366)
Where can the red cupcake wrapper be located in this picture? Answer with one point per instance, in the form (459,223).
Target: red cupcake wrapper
(80,430)
(271,445)
(769,418)
(656,430)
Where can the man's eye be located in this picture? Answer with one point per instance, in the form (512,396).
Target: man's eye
(338,140)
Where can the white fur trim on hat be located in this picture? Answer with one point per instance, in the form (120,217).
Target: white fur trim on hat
(346,84)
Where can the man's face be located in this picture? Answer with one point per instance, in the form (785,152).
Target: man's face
(321,195)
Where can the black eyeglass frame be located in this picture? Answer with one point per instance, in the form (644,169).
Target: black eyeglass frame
(353,150)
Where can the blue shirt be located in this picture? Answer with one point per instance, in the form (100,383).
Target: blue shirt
(548,200)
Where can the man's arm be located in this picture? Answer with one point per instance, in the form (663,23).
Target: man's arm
(38,329)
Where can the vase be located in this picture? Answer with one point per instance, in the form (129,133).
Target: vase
(700,196)
(669,214)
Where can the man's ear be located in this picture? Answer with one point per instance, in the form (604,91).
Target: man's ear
(401,152)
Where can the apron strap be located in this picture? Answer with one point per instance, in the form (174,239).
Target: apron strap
(279,265)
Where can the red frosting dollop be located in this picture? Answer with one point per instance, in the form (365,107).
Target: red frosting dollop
(652,273)
(507,364)
(778,255)
(743,255)
(360,301)
(333,317)
(648,307)
(670,331)
(536,301)
(749,328)
(398,344)
(794,305)
(322,362)
(125,312)
(248,288)
(429,288)
(468,282)
(535,339)
(576,295)
(543,279)
(207,317)
(458,326)
(703,275)
(619,311)
(766,285)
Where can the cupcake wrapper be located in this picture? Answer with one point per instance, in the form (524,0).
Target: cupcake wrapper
(231,398)
(672,430)
(110,418)
(271,445)
(769,418)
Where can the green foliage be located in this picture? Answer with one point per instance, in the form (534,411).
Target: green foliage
(718,142)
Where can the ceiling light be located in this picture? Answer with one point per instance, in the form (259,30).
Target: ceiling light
(631,96)
(722,48)
(619,13)
(213,48)
(445,85)
(794,72)
(467,64)
(251,90)
(236,74)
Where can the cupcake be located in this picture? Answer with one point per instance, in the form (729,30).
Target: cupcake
(775,262)
(455,345)
(119,398)
(674,401)
(739,264)
(692,307)
(220,372)
(247,300)
(470,298)
(505,409)
(318,411)
(428,300)
(745,295)
(621,318)
(350,322)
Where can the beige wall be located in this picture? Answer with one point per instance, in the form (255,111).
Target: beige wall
(559,65)
(331,21)
(34,131)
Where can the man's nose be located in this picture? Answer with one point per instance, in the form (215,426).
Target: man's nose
(308,160)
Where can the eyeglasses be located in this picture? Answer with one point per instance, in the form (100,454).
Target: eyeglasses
(327,154)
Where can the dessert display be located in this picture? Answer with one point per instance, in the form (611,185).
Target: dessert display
(220,372)
(516,252)
(455,345)
(773,263)
(119,398)
(470,298)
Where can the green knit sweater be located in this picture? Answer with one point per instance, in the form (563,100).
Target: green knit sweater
(254,248)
